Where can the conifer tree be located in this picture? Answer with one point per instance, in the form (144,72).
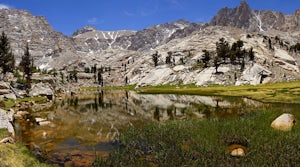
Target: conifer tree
(26,65)
(7,59)
(222,48)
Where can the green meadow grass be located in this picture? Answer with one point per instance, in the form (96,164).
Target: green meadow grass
(206,143)
(16,155)
(287,92)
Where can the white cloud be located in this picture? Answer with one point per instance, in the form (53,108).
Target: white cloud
(4,6)
(128,13)
(93,21)
(176,4)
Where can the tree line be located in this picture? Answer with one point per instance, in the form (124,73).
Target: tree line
(224,54)
(7,62)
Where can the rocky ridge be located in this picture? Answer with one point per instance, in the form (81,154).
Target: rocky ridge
(128,54)
(254,20)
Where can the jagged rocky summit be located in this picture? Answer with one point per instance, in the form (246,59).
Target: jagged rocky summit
(128,54)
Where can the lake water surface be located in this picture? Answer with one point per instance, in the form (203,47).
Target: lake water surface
(88,125)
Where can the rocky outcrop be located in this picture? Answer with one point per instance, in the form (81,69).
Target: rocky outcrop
(42,89)
(44,43)
(6,92)
(284,122)
(238,17)
(6,119)
(286,61)
(254,20)
(254,75)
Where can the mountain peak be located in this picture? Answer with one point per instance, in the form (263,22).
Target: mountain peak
(84,30)
(237,17)
(244,4)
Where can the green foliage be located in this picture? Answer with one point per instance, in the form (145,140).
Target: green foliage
(206,58)
(222,48)
(295,48)
(169,58)
(7,104)
(73,75)
(251,54)
(217,62)
(265,92)
(26,65)
(17,155)
(62,76)
(155,58)
(206,143)
(7,59)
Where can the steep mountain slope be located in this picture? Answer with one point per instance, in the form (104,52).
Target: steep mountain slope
(254,20)
(90,40)
(44,43)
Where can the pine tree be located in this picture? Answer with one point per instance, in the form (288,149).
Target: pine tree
(155,57)
(206,58)
(7,59)
(26,65)
(251,54)
(222,48)
(217,63)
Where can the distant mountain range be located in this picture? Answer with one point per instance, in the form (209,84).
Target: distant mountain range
(88,46)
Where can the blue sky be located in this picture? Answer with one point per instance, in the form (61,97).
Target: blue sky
(67,16)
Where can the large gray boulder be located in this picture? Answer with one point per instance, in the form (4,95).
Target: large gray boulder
(254,75)
(284,122)
(4,85)
(6,117)
(42,89)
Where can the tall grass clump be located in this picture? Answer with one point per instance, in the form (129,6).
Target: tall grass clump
(206,143)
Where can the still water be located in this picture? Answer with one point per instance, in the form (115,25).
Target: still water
(88,125)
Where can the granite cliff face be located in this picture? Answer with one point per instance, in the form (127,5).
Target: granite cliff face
(254,20)
(22,27)
(90,40)
(128,54)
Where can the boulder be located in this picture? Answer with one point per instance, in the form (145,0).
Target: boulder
(42,89)
(284,60)
(6,117)
(238,152)
(4,85)
(4,91)
(42,121)
(254,75)
(38,120)
(21,114)
(157,77)
(10,96)
(284,122)
(85,75)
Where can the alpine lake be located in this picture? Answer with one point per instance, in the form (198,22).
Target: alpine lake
(89,125)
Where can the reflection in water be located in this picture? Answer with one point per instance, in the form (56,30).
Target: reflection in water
(90,123)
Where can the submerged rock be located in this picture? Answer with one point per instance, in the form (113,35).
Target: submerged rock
(284,122)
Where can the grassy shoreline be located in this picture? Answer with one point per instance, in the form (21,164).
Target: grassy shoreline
(287,92)
(16,154)
(207,143)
